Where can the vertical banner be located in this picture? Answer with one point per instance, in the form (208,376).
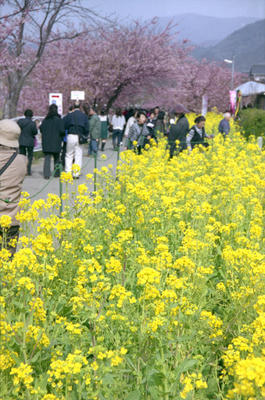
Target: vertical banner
(238,101)
(57,98)
(232,94)
(204,104)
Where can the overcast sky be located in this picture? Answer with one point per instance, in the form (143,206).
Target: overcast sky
(151,8)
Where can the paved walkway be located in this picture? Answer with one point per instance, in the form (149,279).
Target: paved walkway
(34,183)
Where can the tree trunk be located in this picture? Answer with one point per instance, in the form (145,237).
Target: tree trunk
(15,84)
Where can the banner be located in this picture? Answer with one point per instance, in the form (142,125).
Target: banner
(232,101)
(57,98)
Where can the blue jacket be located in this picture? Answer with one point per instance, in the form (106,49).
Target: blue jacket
(224,127)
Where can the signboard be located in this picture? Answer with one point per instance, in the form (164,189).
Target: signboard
(204,104)
(77,95)
(57,98)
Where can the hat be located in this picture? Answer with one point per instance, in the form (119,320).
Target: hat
(180,109)
(9,133)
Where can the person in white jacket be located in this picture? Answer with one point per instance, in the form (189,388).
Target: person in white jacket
(118,122)
(130,123)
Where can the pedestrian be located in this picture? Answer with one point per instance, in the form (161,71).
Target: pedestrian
(139,133)
(159,128)
(13,169)
(197,135)
(129,124)
(224,125)
(77,126)
(63,150)
(118,123)
(94,130)
(178,130)
(104,127)
(52,132)
(26,139)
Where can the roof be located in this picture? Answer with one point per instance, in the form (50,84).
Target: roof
(251,88)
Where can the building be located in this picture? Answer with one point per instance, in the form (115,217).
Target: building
(257,73)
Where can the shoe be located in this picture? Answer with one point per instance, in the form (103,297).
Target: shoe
(75,177)
(46,177)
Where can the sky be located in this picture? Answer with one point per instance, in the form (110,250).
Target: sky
(161,8)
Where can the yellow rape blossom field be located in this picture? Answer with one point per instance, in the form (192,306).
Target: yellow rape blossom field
(152,288)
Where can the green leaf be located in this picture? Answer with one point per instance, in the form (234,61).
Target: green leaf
(186,366)
(135,395)
(108,379)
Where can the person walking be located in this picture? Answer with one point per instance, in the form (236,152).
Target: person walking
(159,128)
(118,123)
(178,130)
(52,131)
(94,131)
(224,125)
(197,135)
(129,124)
(26,139)
(13,169)
(77,127)
(139,132)
(104,128)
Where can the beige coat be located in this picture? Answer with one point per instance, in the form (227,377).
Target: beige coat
(11,182)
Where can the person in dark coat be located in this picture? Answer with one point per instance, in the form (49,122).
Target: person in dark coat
(197,134)
(224,125)
(26,139)
(52,130)
(178,130)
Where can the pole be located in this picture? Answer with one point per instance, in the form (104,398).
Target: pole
(60,190)
(118,158)
(95,175)
(233,72)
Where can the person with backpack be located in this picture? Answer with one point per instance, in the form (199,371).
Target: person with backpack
(13,169)
(197,135)
(26,139)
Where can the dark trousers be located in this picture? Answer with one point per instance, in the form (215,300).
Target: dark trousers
(10,234)
(117,137)
(47,164)
(63,153)
(27,151)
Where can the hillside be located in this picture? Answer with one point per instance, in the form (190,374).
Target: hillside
(246,44)
(204,30)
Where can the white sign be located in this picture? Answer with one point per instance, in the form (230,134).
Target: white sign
(204,104)
(57,98)
(77,95)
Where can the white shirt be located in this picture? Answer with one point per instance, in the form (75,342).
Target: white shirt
(118,122)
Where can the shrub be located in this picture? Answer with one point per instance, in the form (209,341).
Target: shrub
(252,122)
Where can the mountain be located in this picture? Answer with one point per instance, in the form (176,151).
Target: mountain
(246,44)
(204,30)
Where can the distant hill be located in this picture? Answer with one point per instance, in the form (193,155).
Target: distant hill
(203,30)
(246,44)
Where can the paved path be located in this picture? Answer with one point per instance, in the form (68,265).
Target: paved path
(33,184)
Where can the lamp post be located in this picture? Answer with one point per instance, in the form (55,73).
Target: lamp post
(233,69)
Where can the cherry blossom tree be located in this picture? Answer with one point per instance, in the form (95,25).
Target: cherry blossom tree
(25,32)
(111,64)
